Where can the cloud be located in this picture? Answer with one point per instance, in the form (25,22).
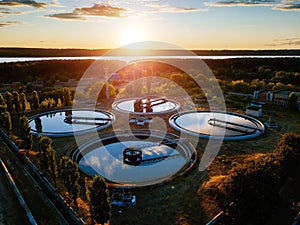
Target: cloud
(172,9)
(23,3)
(275,4)
(231,3)
(285,42)
(8,11)
(66,16)
(102,10)
(9,23)
(288,5)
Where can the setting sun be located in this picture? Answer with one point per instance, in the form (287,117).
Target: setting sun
(131,35)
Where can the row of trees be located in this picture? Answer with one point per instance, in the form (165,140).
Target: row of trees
(13,102)
(250,192)
(25,129)
(69,172)
(17,103)
(254,85)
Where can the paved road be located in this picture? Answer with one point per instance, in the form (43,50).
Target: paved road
(11,211)
(39,205)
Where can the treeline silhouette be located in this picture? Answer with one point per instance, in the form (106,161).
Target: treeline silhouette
(44,52)
(236,68)
(43,70)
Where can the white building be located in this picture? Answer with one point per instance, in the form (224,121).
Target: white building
(255,111)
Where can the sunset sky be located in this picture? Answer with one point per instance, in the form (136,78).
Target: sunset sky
(192,24)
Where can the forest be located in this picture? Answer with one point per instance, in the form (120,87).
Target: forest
(239,75)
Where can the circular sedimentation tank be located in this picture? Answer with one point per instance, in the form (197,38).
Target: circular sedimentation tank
(146,105)
(135,158)
(67,122)
(217,125)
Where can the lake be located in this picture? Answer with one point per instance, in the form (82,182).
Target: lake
(130,58)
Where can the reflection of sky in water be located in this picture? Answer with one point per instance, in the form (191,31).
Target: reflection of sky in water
(127,105)
(54,122)
(108,162)
(198,123)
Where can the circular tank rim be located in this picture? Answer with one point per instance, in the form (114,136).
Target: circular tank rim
(75,152)
(115,108)
(173,124)
(71,133)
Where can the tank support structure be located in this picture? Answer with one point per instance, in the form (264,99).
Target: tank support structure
(134,155)
(228,125)
(146,105)
(86,120)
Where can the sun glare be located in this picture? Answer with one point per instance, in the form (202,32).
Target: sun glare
(132,35)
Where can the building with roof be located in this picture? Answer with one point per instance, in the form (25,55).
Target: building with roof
(278,97)
(264,96)
(281,97)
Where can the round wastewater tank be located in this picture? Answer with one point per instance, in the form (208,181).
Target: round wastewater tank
(67,122)
(146,105)
(217,124)
(135,158)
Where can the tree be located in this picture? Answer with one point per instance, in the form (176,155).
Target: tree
(9,101)
(38,125)
(46,158)
(99,201)
(82,183)
(242,191)
(35,100)
(293,101)
(288,150)
(2,104)
(48,103)
(23,102)
(59,103)
(67,98)
(240,86)
(16,102)
(178,78)
(29,88)
(70,175)
(243,185)
(5,121)
(25,133)
(102,94)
